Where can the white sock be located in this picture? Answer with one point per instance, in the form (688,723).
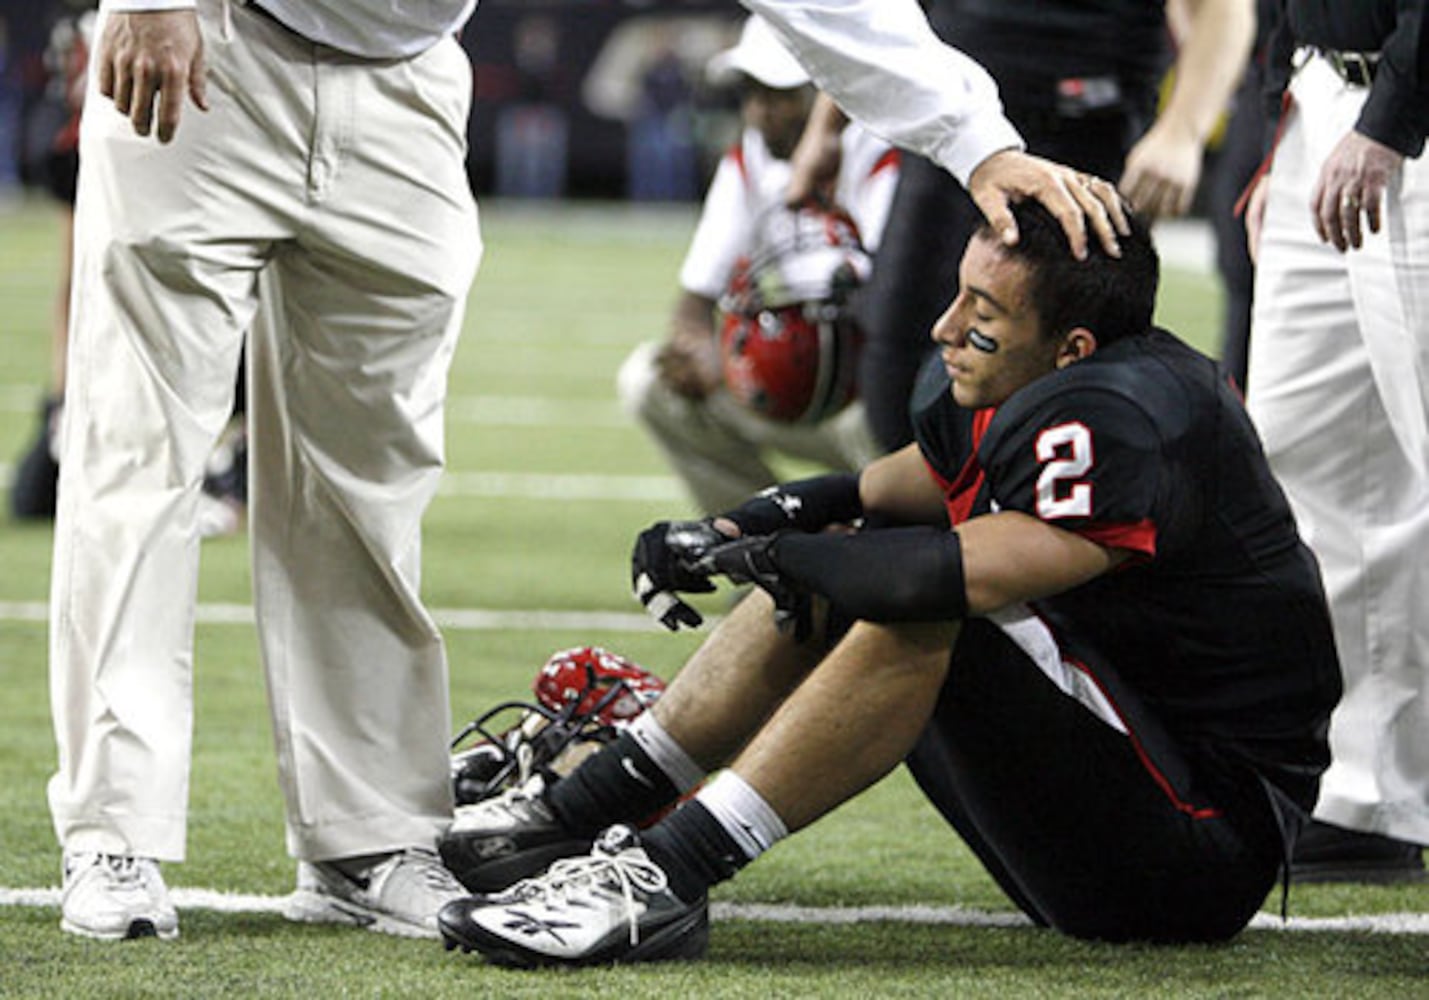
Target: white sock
(745,816)
(665,753)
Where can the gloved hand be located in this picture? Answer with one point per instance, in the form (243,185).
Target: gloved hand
(751,560)
(665,562)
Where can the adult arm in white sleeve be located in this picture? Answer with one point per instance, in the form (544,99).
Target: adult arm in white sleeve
(880,61)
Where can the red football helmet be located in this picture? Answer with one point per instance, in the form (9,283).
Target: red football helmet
(605,685)
(788,347)
(581,696)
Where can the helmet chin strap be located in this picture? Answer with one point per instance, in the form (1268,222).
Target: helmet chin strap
(581,695)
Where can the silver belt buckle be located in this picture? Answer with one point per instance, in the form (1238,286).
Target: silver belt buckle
(1355,68)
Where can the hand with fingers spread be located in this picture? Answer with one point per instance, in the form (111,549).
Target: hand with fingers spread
(148,62)
(1072,197)
(1350,190)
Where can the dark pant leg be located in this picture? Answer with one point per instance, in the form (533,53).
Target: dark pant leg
(1073,819)
(1240,155)
(1097,144)
(915,277)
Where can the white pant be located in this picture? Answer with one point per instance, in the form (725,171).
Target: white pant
(1339,387)
(718,446)
(341,184)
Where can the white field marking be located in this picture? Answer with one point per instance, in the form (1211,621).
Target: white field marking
(537,486)
(493,411)
(455,619)
(952,916)
(560,486)
(536,411)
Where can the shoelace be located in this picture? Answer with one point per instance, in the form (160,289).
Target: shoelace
(524,799)
(592,874)
(525,763)
(430,868)
(125,869)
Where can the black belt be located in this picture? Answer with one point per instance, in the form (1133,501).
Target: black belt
(1356,68)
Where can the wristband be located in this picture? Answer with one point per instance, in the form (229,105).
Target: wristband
(804,505)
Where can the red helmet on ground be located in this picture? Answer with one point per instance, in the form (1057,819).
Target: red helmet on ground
(604,685)
(582,696)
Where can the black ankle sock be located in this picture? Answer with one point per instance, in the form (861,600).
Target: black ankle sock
(620,784)
(694,851)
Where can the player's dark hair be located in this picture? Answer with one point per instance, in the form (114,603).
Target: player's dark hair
(1114,297)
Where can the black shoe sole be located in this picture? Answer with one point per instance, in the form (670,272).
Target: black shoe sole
(1328,853)
(140,928)
(481,872)
(1365,872)
(685,938)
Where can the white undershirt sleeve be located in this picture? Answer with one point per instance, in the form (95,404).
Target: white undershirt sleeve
(722,234)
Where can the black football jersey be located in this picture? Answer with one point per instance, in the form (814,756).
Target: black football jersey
(1218,621)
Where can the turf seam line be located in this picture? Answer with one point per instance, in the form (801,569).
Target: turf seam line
(454,619)
(954,916)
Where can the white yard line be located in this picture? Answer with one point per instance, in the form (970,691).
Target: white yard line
(538,486)
(455,619)
(537,411)
(467,408)
(952,916)
(561,486)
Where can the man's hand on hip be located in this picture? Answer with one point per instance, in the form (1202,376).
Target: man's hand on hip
(149,59)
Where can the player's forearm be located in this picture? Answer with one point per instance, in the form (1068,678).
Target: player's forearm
(1011,557)
(692,317)
(1210,63)
(826,117)
(899,488)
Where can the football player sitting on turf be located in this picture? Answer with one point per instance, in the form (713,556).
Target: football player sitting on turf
(1078,609)
(776,376)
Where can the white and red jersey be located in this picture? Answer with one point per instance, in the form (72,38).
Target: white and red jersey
(750,183)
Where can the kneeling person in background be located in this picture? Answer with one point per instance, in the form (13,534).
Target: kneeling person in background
(777,376)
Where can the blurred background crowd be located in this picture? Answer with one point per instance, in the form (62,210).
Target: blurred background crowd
(574,98)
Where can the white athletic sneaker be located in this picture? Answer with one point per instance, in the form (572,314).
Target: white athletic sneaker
(613,905)
(399,894)
(115,897)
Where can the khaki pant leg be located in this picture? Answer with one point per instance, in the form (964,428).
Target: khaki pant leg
(168,241)
(349,368)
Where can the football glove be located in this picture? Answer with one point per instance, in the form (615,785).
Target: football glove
(751,560)
(666,562)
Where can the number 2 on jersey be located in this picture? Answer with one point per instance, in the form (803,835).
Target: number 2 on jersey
(1065,452)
